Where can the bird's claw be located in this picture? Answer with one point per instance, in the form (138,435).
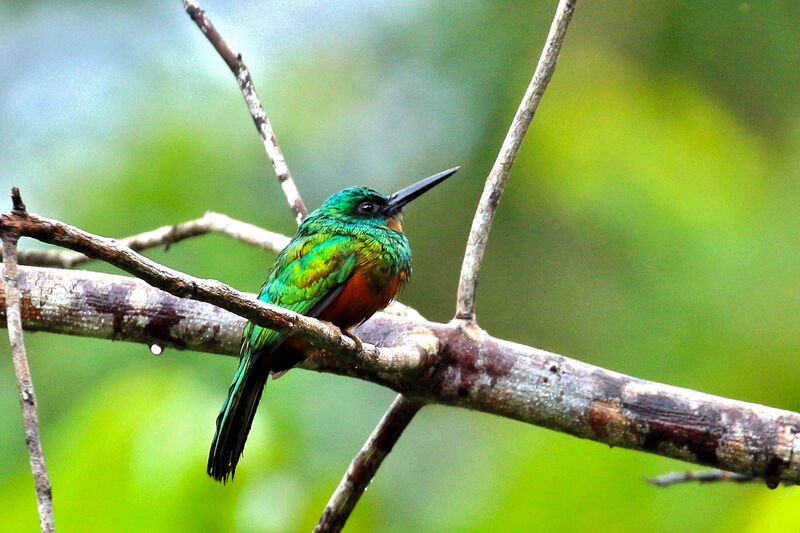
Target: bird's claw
(356,340)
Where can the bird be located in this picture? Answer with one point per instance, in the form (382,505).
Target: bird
(348,260)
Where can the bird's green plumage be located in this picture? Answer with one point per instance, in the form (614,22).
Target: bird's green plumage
(334,242)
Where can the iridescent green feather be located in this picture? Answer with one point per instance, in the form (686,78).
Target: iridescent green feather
(306,271)
(331,244)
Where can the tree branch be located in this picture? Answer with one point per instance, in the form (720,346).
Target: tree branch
(496,181)
(242,74)
(27,398)
(322,334)
(211,222)
(704,476)
(463,366)
(366,463)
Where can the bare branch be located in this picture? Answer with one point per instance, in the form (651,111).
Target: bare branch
(484,216)
(322,334)
(27,398)
(366,463)
(211,222)
(105,306)
(239,69)
(463,367)
(704,476)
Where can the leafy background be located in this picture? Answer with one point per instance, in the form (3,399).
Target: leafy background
(650,226)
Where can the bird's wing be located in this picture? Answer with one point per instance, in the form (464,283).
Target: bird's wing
(306,278)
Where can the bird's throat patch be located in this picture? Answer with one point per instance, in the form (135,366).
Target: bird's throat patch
(395,222)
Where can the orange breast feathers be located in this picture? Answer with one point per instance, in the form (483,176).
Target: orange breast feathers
(360,299)
(395,222)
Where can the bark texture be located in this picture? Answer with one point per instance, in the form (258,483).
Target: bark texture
(465,368)
(27,396)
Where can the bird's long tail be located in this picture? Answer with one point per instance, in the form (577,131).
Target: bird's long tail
(235,418)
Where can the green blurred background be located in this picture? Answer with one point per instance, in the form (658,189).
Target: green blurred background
(650,226)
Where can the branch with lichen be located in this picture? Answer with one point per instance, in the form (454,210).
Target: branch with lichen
(462,366)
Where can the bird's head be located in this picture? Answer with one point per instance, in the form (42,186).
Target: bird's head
(367,206)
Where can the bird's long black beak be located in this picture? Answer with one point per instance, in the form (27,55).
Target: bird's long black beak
(403,196)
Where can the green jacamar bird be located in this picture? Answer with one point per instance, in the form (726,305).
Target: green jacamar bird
(348,260)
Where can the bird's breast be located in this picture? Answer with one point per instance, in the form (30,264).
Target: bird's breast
(361,297)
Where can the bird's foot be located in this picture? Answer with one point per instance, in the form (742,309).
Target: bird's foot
(356,340)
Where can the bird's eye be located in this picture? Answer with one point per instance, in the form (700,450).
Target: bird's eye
(366,208)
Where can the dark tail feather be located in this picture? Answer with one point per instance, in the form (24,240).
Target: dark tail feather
(235,419)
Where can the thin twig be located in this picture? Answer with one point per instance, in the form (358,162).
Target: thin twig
(496,181)
(242,74)
(27,398)
(704,476)
(211,222)
(366,463)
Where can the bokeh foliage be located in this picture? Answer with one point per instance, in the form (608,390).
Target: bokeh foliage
(650,226)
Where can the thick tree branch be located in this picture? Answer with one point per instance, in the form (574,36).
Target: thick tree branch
(366,464)
(239,70)
(496,181)
(211,222)
(27,398)
(470,369)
